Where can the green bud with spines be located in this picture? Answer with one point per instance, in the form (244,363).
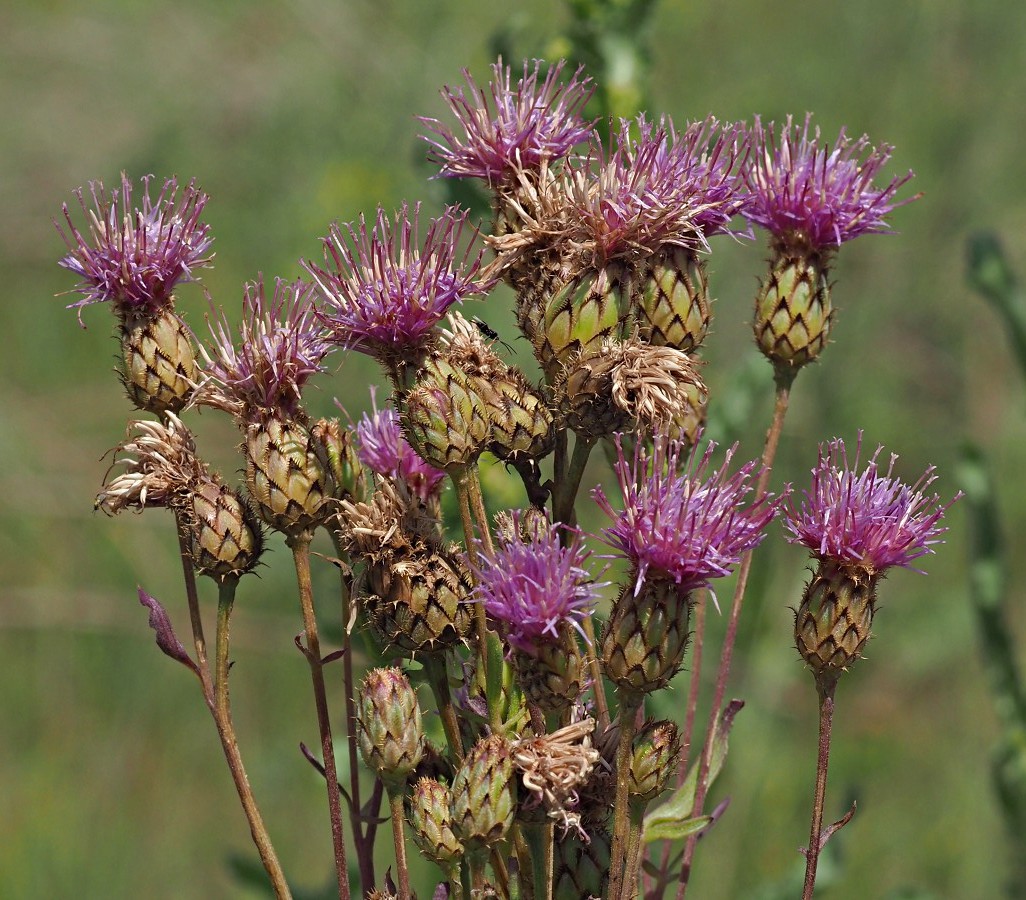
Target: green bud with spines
(673,309)
(159,357)
(431,822)
(484,794)
(655,752)
(391,734)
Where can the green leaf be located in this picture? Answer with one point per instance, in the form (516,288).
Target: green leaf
(668,830)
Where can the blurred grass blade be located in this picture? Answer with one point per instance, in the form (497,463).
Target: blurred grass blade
(991,275)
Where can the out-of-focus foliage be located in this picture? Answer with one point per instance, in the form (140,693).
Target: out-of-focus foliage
(292,115)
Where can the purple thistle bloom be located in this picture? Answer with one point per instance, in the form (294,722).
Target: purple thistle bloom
(135,257)
(522,128)
(536,586)
(661,188)
(383,449)
(385,291)
(869,519)
(807,193)
(676,523)
(281,345)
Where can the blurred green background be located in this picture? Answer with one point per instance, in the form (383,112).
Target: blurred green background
(293,114)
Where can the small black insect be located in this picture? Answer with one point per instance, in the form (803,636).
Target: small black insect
(489,332)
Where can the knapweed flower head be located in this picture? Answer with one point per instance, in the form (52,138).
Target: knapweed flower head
(134,256)
(383,449)
(657,188)
(385,289)
(281,345)
(521,128)
(869,519)
(809,194)
(535,587)
(680,521)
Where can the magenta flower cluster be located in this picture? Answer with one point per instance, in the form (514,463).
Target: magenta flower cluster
(534,587)
(521,128)
(869,519)
(383,449)
(281,346)
(135,256)
(803,189)
(680,522)
(384,289)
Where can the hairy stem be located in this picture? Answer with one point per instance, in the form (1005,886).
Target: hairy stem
(300,546)
(438,678)
(825,688)
(222,712)
(769,453)
(395,803)
(630,703)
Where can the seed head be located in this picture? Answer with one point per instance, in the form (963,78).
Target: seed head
(676,522)
(808,194)
(522,128)
(134,257)
(385,290)
(281,345)
(869,519)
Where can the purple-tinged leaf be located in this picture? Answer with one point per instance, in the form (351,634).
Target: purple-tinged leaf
(167,640)
(310,758)
(441,892)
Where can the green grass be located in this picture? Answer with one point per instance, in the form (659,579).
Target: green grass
(292,115)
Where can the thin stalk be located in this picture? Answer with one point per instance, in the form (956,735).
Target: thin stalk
(477,502)
(222,712)
(825,689)
(539,844)
(438,678)
(637,815)
(364,847)
(698,640)
(769,453)
(395,803)
(629,706)
(300,546)
(565,492)
(595,670)
(192,597)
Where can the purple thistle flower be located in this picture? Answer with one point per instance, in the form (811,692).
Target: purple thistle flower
(383,449)
(522,128)
(807,193)
(135,257)
(679,524)
(869,519)
(385,290)
(281,345)
(661,188)
(534,587)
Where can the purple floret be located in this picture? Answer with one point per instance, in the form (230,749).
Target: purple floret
(384,290)
(868,519)
(804,191)
(535,587)
(521,128)
(134,257)
(677,524)
(282,344)
(383,449)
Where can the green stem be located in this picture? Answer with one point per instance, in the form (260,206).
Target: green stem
(222,712)
(630,703)
(192,597)
(565,490)
(769,453)
(395,803)
(438,678)
(825,688)
(637,818)
(539,842)
(300,546)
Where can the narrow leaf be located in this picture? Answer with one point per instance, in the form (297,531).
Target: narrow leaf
(164,631)
(669,830)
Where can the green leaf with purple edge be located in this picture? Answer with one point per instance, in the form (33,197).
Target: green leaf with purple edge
(673,819)
(164,631)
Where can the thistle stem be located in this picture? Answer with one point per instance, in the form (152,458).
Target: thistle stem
(222,712)
(825,688)
(637,817)
(629,705)
(598,685)
(539,842)
(192,597)
(364,846)
(300,546)
(438,678)
(395,803)
(565,492)
(769,453)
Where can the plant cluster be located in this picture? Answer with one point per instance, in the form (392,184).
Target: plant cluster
(542,779)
